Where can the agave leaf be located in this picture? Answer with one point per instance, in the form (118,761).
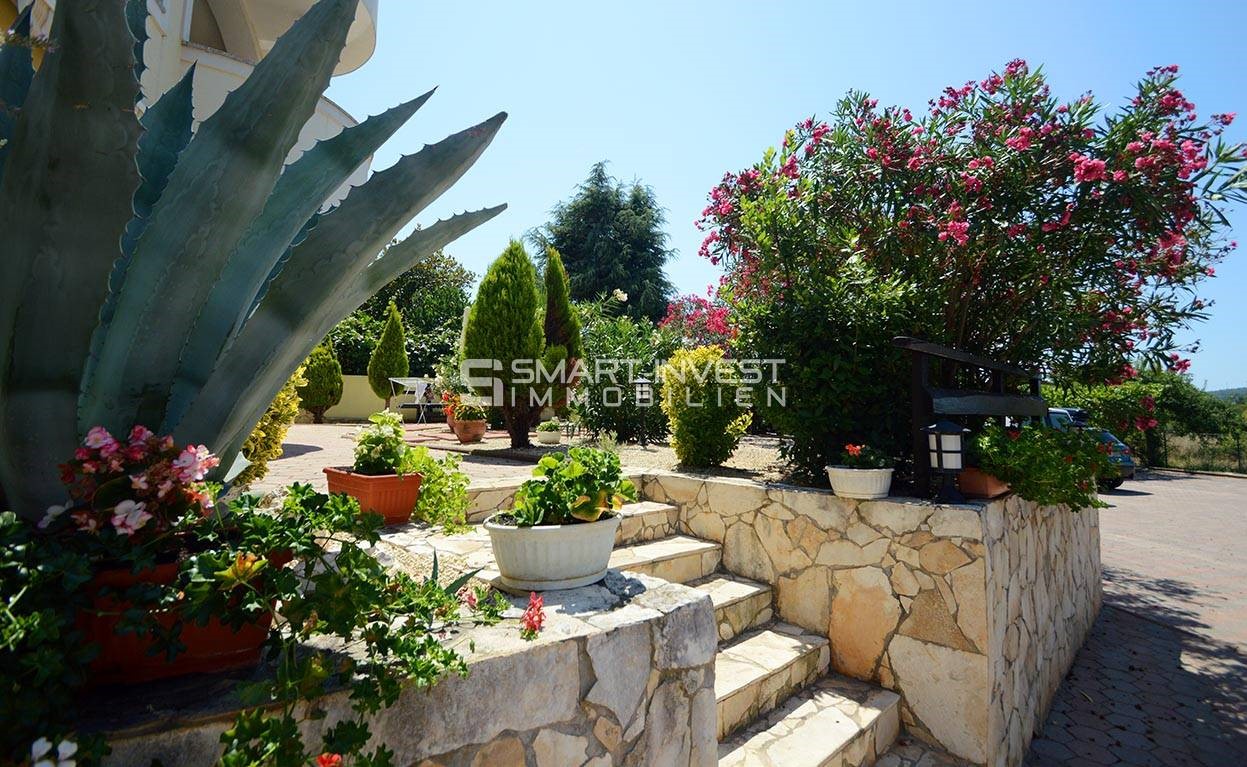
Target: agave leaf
(243,385)
(136,20)
(65,199)
(342,244)
(16,72)
(299,193)
(166,132)
(220,184)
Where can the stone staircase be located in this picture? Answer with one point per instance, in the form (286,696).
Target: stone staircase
(776,702)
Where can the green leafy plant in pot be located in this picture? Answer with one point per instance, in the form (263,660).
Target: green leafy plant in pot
(550,432)
(563,527)
(142,575)
(384,478)
(471,422)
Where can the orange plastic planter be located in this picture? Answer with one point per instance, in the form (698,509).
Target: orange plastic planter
(126,658)
(391,496)
(976,483)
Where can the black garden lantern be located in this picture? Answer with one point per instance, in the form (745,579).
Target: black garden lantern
(946,452)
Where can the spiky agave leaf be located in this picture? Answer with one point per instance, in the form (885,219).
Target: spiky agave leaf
(136,20)
(65,199)
(342,244)
(290,211)
(221,183)
(246,400)
(16,72)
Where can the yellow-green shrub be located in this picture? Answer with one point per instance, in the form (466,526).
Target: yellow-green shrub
(700,399)
(264,443)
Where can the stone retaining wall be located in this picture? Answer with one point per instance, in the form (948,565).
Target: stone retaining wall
(972,613)
(622,674)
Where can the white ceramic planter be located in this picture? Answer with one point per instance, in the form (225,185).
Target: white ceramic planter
(545,558)
(549,437)
(864,484)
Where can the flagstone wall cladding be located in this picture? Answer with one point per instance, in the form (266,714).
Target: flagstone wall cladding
(622,674)
(973,613)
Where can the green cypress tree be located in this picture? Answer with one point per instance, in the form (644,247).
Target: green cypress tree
(323,389)
(503,325)
(562,326)
(389,359)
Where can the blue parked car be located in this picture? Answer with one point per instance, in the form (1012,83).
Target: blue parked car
(1119,456)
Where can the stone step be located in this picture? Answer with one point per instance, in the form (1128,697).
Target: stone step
(646,521)
(739,604)
(759,669)
(678,559)
(835,722)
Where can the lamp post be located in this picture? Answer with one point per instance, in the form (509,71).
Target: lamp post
(644,390)
(945,441)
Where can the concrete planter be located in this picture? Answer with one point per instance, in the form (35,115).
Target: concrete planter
(865,484)
(549,437)
(550,557)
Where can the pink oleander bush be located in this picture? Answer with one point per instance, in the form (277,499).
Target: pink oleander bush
(700,321)
(1067,236)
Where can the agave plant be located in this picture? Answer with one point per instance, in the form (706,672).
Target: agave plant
(151,276)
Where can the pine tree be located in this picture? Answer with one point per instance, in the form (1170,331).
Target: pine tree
(503,325)
(389,359)
(323,389)
(611,237)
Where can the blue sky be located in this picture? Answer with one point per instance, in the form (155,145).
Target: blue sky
(676,93)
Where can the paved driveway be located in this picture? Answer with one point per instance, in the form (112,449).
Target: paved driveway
(1162,680)
(1175,550)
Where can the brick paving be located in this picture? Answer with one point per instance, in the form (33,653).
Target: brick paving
(311,447)
(1162,680)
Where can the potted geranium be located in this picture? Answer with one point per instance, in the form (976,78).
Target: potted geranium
(142,574)
(1043,465)
(470,423)
(450,401)
(562,529)
(550,432)
(863,472)
(383,478)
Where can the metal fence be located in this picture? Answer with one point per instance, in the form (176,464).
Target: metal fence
(1204,452)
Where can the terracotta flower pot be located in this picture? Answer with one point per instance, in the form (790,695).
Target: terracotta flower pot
(976,483)
(214,647)
(470,431)
(450,422)
(391,496)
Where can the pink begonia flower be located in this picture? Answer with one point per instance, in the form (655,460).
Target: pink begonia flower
(140,434)
(98,437)
(129,516)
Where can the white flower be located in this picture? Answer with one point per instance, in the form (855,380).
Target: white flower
(620,296)
(129,516)
(51,514)
(40,753)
